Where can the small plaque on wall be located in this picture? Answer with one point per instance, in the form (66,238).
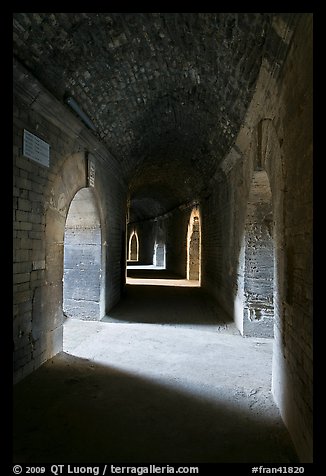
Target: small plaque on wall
(36,149)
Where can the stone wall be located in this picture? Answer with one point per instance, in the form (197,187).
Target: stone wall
(42,196)
(176,253)
(146,240)
(163,240)
(258,269)
(82,277)
(293,358)
(277,136)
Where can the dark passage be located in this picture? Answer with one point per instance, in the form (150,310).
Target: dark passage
(182,142)
(162,297)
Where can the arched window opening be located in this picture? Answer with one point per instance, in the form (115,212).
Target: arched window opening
(256,266)
(133,253)
(82,258)
(194,247)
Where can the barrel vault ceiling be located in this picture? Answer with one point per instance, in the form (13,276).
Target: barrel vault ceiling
(166,92)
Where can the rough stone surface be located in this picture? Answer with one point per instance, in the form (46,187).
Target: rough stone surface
(167,92)
(258,272)
(286,155)
(82,277)
(186,107)
(41,201)
(82,266)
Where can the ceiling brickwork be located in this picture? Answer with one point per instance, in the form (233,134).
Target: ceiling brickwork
(167,92)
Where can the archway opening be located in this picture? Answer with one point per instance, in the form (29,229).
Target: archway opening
(256,264)
(159,255)
(194,246)
(82,258)
(133,252)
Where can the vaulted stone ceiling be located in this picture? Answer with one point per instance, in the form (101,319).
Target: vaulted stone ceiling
(167,92)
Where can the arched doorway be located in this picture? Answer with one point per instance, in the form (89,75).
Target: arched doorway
(82,258)
(133,254)
(159,255)
(256,267)
(194,246)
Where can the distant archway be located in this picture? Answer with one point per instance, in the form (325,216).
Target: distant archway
(256,264)
(82,258)
(159,255)
(133,252)
(194,246)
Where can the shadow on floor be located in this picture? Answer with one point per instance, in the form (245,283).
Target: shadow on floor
(149,273)
(73,410)
(168,305)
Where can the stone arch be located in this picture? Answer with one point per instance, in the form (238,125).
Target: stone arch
(270,148)
(82,258)
(194,246)
(133,249)
(267,157)
(272,161)
(48,300)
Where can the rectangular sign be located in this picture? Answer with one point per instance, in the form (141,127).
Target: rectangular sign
(36,149)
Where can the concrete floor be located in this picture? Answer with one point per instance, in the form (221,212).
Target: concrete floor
(164,378)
